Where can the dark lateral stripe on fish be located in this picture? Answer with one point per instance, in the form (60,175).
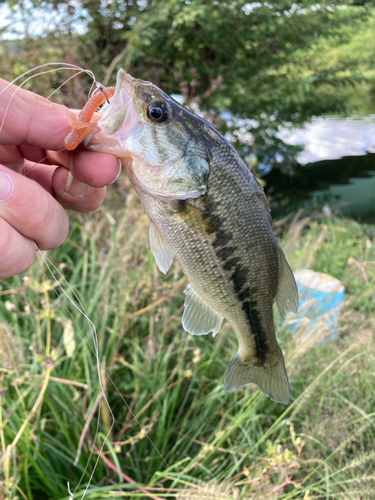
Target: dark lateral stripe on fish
(226,253)
(243,293)
(223,236)
(211,225)
(222,239)
(210,216)
(249,307)
(230,263)
(239,278)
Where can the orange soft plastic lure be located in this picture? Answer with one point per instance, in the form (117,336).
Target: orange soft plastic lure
(82,124)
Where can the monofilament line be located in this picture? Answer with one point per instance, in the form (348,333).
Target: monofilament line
(80,308)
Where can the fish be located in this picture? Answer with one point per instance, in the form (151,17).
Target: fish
(208,211)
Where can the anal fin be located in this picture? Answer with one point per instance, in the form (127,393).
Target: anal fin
(160,249)
(271,379)
(198,317)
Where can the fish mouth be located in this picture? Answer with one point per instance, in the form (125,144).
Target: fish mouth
(112,129)
(171,173)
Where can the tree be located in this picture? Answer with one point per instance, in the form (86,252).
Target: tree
(263,60)
(230,59)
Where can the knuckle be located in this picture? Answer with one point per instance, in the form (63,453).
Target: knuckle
(51,224)
(40,219)
(92,201)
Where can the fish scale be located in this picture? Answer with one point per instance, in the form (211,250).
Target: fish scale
(208,211)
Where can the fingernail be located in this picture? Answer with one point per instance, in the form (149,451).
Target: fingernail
(6,186)
(119,171)
(76,188)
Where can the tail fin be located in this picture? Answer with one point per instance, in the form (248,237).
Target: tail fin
(271,379)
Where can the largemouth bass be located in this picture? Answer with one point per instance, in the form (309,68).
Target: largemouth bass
(207,210)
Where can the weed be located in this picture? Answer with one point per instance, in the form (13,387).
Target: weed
(176,433)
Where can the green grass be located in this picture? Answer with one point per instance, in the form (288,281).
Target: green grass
(176,433)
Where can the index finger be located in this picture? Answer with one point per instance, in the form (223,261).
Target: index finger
(28,118)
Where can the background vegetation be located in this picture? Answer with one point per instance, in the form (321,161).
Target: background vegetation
(169,430)
(175,431)
(247,66)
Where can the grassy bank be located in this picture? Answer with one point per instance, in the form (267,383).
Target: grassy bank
(173,432)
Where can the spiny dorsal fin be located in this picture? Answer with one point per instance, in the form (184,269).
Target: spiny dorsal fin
(198,317)
(160,249)
(287,293)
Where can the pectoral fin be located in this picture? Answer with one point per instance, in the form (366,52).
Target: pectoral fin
(160,249)
(198,317)
(271,379)
(287,293)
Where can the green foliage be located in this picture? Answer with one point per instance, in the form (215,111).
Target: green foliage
(273,62)
(176,432)
(251,59)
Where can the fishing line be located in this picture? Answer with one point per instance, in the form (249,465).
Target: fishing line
(80,308)
(40,162)
(98,85)
(61,67)
(67,81)
(51,266)
(102,89)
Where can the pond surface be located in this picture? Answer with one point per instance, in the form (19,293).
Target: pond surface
(335,168)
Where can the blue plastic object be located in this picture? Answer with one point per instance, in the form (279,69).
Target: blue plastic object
(320,298)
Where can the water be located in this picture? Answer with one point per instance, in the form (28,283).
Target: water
(335,168)
(332,138)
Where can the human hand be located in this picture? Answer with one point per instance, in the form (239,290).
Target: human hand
(32,196)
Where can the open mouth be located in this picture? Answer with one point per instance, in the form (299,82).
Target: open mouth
(117,120)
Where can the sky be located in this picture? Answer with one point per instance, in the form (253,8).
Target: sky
(40,20)
(4,11)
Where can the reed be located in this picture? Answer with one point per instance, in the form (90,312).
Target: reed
(170,430)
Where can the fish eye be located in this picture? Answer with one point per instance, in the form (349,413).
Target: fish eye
(157,112)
